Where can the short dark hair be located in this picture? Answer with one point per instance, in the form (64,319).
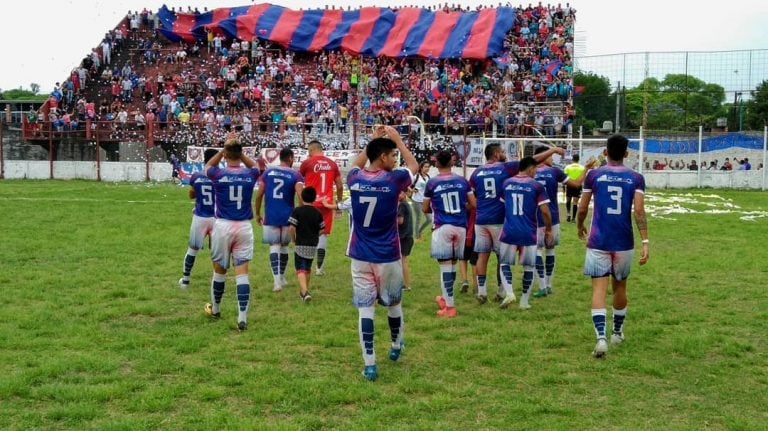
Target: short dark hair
(308,195)
(233,150)
(377,147)
(444,158)
(575,158)
(540,149)
(617,147)
(314,143)
(527,162)
(285,154)
(491,150)
(209,153)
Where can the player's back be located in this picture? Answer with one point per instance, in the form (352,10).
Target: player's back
(486,181)
(550,177)
(280,194)
(522,197)
(374,196)
(321,173)
(233,187)
(204,197)
(448,197)
(613,188)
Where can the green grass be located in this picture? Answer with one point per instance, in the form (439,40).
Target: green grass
(96,334)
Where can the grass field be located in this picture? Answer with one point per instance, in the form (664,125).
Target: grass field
(96,334)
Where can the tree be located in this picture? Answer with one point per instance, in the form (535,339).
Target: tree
(595,103)
(757,108)
(678,102)
(35,87)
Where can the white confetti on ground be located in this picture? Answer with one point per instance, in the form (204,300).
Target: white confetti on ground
(661,206)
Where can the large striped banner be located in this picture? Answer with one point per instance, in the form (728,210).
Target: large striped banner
(370,31)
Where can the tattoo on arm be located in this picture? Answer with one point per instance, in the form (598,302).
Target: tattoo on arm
(642,223)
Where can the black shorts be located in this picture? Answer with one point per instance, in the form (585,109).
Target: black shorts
(572,192)
(470,255)
(302,264)
(406,245)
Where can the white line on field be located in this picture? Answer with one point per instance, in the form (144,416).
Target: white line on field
(5,198)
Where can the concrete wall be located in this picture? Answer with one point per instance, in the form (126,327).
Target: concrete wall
(110,171)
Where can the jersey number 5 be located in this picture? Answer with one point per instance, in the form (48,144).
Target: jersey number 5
(207,193)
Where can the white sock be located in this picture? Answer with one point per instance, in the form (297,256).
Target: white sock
(447,281)
(366,331)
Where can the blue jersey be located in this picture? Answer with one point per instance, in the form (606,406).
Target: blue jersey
(279,185)
(233,189)
(486,182)
(204,201)
(522,197)
(375,197)
(614,188)
(551,177)
(448,195)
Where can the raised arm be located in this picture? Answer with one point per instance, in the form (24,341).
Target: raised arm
(543,156)
(215,160)
(408,157)
(580,180)
(642,225)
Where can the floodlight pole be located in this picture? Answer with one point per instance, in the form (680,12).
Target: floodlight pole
(698,175)
(765,153)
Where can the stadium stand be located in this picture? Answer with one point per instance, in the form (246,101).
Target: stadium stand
(139,83)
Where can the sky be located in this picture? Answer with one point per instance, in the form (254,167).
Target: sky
(43,40)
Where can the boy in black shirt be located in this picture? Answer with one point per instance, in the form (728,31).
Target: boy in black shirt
(405,231)
(306,226)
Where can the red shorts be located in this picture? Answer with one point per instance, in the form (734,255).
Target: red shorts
(328,215)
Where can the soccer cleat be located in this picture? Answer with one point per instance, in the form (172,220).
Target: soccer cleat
(542,293)
(601,348)
(183,284)
(306,297)
(447,312)
(549,290)
(440,302)
(277,286)
(242,326)
(371,373)
(617,338)
(394,353)
(507,301)
(209,312)
(283,281)
(406,288)
(524,305)
(569,219)
(465,287)
(499,298)
(482,299)
(320,272)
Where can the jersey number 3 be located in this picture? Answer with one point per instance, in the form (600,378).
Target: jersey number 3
(615,193)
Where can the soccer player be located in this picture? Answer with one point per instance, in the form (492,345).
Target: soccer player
(323,174)
(279,185)
(306,226)
(574,171)
(550,176)
(524,197)
(232,232)
(486,183)
(610,247)
(201,190)
(405,232)
(447,196)
(377,273)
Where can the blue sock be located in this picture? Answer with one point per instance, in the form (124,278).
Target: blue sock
(243,297)
(540,266)
(527,280)
(618,320)
(189,262)
(320,257)
(366,334)
(274,264)
(549,264)
(283,262)
(395,319)
(217,290)
(598,319)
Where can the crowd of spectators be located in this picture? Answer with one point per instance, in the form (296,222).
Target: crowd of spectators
(736,164)
(200,91)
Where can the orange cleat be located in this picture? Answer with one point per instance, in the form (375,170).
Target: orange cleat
(447,312)
(440,302)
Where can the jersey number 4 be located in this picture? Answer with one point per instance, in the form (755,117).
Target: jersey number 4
(236,195)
